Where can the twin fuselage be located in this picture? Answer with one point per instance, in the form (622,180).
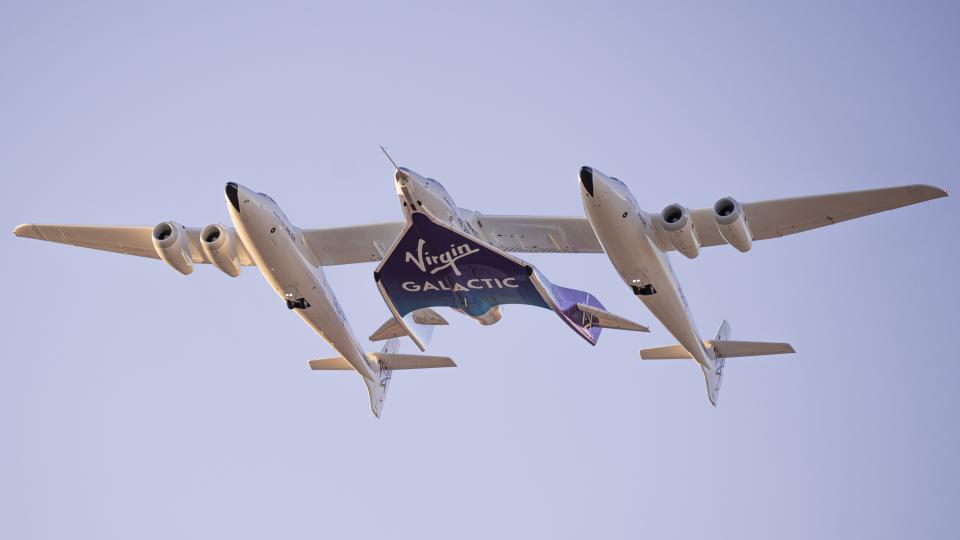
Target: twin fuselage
(626,233)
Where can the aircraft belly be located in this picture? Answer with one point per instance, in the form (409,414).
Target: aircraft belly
(640,263)
(292,277)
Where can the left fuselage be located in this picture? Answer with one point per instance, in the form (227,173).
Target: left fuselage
(281,253)
(629,239)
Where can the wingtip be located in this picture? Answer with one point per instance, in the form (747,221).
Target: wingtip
(932,192)
(26,230)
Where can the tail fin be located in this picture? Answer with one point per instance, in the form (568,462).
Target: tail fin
(713,375)
(385,361)
(718,350)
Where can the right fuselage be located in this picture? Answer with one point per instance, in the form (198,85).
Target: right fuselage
(629,239)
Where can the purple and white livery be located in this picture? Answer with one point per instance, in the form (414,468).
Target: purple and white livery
(439,261)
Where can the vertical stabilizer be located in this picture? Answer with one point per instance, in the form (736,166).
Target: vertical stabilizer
(713,374)
(378,389)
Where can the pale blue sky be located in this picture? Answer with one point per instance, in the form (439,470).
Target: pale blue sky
(138,403)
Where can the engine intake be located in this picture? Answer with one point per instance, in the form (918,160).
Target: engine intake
(732,223)
(675,220)
(170,241)
(219,244)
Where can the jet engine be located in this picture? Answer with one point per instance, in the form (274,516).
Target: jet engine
(732,223)
(170,241)
(677,223)
(219,244)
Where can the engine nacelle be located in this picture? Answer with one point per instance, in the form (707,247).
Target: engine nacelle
(219,244)
(677,223)
(170,241)
(732,223)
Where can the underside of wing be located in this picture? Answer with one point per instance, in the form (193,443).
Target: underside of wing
(537,234)
(129,240)
(356,244)
(781,217)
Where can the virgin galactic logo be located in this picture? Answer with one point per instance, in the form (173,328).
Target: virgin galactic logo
(432,264)
(447,259)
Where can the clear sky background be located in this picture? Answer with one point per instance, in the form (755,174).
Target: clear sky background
(138,403)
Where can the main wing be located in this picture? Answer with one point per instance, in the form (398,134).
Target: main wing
(536,234)
(767,219)
(355,244)
(342,245)
(516,234)
(780,217)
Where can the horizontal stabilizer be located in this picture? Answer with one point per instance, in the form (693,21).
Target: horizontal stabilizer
(736,349)
(393,329)
(387,360)
(336,363)
(411,361)
(670,352)
(724,349)
(605,319)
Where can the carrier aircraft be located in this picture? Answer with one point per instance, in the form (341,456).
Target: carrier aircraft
(445,256)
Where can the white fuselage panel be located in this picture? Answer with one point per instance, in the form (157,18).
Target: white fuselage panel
(279,250)
(628,238)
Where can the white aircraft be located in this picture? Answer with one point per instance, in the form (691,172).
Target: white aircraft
(291,260)
(637,243)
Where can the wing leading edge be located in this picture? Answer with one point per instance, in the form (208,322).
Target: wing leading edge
(517,234)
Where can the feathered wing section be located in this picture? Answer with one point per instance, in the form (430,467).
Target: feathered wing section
(432,265)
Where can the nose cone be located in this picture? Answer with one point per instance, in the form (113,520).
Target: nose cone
(586,178)
(233,195)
